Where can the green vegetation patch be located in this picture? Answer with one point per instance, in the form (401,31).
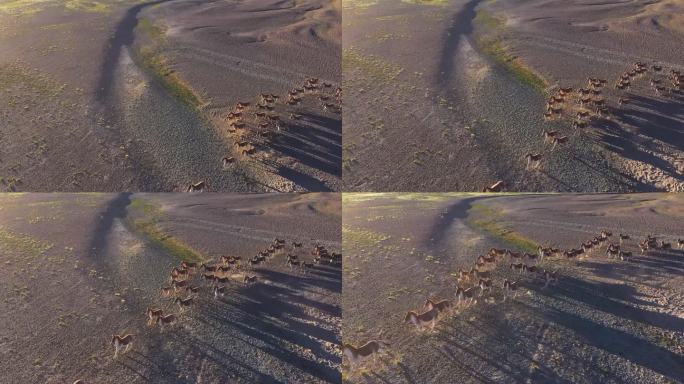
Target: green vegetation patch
(491,43)
(361,237)
(158,64)
(87,6)
(12,75)
(488,19)
(13,242)
(148,227)
(370,65)
(152,30)
(23,7)
(488,220)
(495,49)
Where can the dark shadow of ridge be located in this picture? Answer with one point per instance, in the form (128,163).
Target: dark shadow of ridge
(116,209)
(123,37)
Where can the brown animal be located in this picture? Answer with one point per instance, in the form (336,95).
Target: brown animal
(549,135)
(197,187)
(184,303)
(624,255)
(509,288)
(188,265)
(514,255)
(484,285)
(250,279)
(219,291)
(520,267)
(167,291)
(440,305)
(496,187)
(166,320)
(179,284)
(466,295)
(119,341)
(498,252)
(191,290)
(357,355)
(549,277)
(152,315)
(463,275)
(623,237)
(559,141)
(421,320)
(533,160)
(179,272)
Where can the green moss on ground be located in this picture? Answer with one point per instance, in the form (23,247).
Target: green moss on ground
(22,244)
(491,43)
(153,59)
(487,219)
(147,225)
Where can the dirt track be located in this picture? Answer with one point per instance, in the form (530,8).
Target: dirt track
(604,321)
(79,268)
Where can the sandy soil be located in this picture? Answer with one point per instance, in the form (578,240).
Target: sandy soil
(605,320)
(463,112)
(78,268)
(133,95)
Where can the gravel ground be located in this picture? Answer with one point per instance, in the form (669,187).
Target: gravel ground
(605,320)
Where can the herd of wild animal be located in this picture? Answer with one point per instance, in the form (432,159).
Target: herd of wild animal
(254,125)
(477,282)
(188,281)
(588,105)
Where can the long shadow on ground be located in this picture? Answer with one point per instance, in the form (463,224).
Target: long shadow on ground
(123,36)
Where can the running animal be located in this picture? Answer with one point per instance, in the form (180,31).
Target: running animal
(119,341)
(357,355)
(423,319)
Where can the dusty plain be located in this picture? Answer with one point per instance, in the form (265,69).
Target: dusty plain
(604,320)
(449,95)
(78,268)
(128,95)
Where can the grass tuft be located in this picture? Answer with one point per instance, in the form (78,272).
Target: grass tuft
(490,42)
(495,49)
(159,66)
(488,220)
(13,242)
(148,227)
